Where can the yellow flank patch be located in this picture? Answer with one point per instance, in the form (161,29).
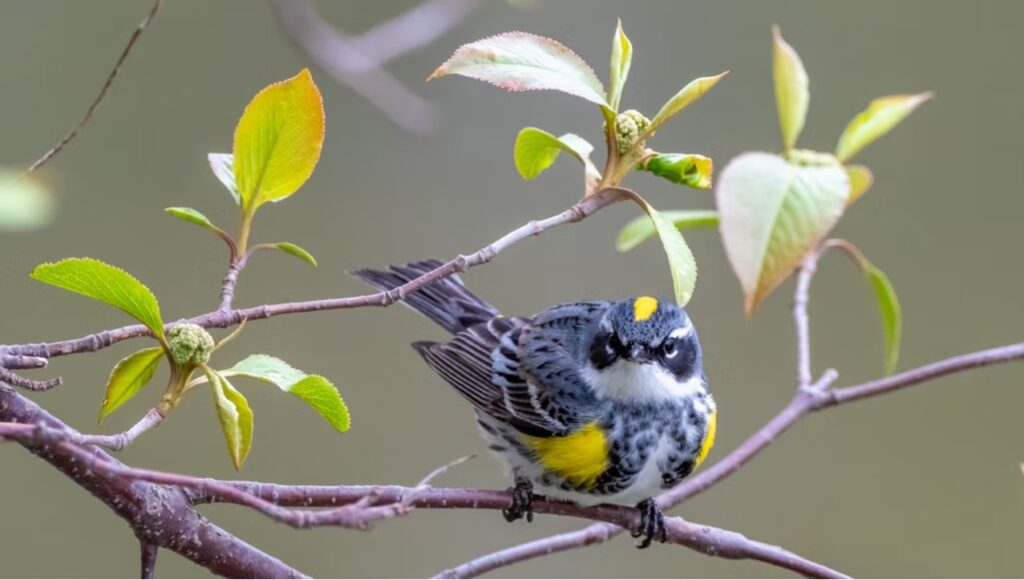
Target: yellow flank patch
(709,440)
(644,307)
(579,458)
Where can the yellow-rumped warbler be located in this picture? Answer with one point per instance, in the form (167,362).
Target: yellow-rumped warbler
(596,402)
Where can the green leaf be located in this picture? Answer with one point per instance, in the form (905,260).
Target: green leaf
(294,250)
(191,215)
(236,419)
(879,118)
(320,394)
(681,263)
(24,205)
(860,181)
(223,166)
(772,214)
(688,94)
(536,150)
(791,93)
(129,375)
(278,140)
(685,169)
(889,307)
(518,61)
(622,59)
(888,303)
(105,283)
(640,229)
(315,390)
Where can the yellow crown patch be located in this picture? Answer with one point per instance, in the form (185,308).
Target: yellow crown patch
(644,307)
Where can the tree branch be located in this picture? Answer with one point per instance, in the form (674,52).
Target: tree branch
(148,553)
(356,62)
(356,507)
(99,98)
(119,441)
(227,289)
(158,515)
(411,30)
(230,317)
(801,321)
(814,397)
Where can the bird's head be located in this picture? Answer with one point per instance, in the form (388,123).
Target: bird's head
(644,347)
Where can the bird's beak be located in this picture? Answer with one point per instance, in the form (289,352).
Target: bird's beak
(638,354)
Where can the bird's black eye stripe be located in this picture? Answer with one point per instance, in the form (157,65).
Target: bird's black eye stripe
(605,350)
(616,345)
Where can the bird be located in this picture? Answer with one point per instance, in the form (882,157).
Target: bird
(596,402)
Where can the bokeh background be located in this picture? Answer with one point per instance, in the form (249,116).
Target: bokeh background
(925,482)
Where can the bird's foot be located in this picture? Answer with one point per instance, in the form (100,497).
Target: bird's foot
(652,524)
(522,501)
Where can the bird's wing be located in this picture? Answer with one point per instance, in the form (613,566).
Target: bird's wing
(552,354)
(483,364)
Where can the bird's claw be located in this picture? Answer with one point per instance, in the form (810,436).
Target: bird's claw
(652,524)
(522,501)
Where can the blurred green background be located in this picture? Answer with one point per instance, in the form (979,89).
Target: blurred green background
(925,482)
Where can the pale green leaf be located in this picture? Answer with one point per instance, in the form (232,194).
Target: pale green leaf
(772,213)
(24,205)
(622,59)
(681,263)
(580,147)
(294,250)
(223,166)
(105,283)
(688,94)
(860,181)
(192,216)
(889,307)
(879,118)
(518,61)
(235,416)
(315,390)
(888,303)
(640,229)
(129,375)
(791,89)
(278,140)
(685,169)
(536,150)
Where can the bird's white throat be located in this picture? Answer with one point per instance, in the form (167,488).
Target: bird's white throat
(629,381)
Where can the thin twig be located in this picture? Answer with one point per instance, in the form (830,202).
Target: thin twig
(411,30)
(148,554)
(99,98)
(334,53)
(119,441)
(356,62)
(12,361)
(226,318)
(28,384)
(921,374)
(801,321)
(227,289)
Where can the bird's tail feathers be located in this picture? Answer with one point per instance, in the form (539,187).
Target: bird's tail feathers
(447,301)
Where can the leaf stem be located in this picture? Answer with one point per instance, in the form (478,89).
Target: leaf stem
(243,232)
